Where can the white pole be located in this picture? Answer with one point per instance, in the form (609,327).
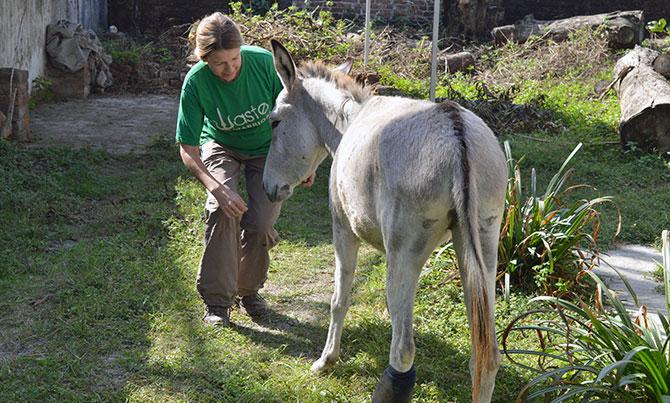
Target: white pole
(507,287)
(666,266)
(433,66)
(366,50)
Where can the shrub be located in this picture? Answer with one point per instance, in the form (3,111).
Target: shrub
(591,354)
(546,241)
(308,35)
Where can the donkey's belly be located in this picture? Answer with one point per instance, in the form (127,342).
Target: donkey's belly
(367,230)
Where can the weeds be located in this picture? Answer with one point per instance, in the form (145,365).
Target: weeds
(592,353)
(546,241)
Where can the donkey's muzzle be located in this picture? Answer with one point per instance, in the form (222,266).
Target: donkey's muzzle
(278,193)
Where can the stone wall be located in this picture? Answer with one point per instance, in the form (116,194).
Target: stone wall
(416,12)
(152,17)
(23,28)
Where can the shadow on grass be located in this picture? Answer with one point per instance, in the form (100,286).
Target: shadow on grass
(97,287)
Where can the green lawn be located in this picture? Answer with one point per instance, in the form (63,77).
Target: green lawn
(97,298)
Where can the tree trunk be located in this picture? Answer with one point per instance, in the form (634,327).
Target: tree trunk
(645,101)
(624,29)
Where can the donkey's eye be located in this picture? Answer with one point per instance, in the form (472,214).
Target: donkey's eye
(274,123)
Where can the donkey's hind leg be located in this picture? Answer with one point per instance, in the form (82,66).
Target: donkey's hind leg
(489,248)
(404,265)
(346,249)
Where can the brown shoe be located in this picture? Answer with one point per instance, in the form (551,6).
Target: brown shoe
(254,304)
(217,315)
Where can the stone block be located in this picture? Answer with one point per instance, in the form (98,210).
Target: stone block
(69,85)
(14,87)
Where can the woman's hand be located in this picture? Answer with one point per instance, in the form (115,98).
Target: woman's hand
(229,201)
(307,183)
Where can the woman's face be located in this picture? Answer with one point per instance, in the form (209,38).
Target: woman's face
(225,63)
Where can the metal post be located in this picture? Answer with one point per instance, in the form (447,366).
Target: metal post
(366,50)
(433,66)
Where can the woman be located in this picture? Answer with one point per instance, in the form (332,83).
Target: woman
(224,112)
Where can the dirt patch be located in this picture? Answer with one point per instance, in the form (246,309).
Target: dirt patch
(118,124)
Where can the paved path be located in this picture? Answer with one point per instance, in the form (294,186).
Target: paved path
(117,123)
(636,263)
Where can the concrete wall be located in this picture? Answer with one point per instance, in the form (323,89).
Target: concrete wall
(23,28)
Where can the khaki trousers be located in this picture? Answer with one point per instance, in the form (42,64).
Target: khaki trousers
(236,260)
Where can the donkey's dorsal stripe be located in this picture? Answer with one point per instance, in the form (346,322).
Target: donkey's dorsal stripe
(453,110)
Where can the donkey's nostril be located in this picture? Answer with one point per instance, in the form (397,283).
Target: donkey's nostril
(285,188)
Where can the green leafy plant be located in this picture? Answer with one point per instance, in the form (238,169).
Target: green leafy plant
(658,27)
(41,92)
(125,51)
(591,354)
(545,240)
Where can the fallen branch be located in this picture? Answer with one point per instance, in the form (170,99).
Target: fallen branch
(624,29)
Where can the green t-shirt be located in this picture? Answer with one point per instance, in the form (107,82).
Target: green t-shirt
(234,114)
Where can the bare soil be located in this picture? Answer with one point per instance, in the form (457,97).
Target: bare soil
(119,124)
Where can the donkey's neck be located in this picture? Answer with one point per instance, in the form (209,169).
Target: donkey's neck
(331,118)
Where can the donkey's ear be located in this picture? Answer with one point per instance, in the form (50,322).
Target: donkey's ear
(345,67)
(284,64)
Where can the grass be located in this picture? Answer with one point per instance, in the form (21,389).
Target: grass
(99,254)
(97,295)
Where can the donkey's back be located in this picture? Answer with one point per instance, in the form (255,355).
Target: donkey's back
(407,154)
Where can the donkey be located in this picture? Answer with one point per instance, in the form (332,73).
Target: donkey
(407,175)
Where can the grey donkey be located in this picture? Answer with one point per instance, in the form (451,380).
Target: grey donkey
(407,175)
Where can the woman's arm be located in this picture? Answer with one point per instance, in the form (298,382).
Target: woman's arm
(229,201)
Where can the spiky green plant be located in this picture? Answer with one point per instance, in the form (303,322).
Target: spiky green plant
(589,353)
(545,240)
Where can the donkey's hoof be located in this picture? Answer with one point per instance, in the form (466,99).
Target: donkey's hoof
(395,387)
(321,365)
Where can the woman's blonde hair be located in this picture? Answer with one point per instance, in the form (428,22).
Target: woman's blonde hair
(215,32)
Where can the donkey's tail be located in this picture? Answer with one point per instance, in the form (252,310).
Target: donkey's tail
(465,195)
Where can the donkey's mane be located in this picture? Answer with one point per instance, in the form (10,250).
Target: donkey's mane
(341,80)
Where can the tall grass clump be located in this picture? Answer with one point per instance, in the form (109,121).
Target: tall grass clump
(546,240)
(588,353)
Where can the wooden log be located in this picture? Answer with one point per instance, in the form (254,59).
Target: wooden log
(461,61)
(14,103)
(644,96)
(662,65)
(624,29)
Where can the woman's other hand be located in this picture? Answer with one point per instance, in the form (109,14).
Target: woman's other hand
(307,183)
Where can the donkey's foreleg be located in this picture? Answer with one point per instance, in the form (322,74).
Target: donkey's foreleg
(346,249)
(397,382)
